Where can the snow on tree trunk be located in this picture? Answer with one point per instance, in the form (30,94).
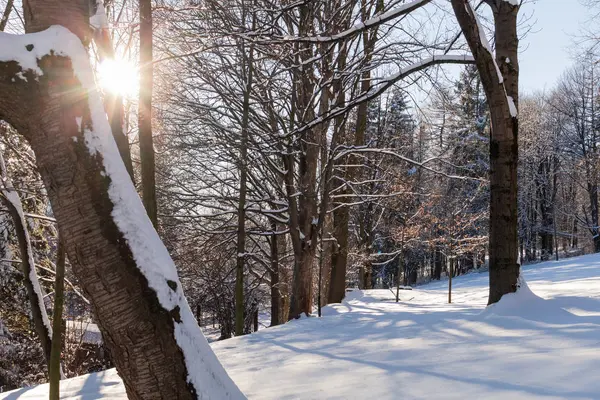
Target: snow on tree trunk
(48,93)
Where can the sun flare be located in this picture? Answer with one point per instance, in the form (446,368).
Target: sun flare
(119,77)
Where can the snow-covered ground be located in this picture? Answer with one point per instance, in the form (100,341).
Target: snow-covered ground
(525,347)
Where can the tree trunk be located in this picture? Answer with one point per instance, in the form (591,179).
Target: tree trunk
(301,299)
(574,242)
(594,229)
(545,209)
(339,256)
(437,264)
(327,244)
(119,260)
(6,14)
(59,285)
(275,293)
(339,259)
(241,228)
(255,317)
(10,199)
(500,79)
(304,249)
(450,272)
(368,272)
(145,112)
(400,269)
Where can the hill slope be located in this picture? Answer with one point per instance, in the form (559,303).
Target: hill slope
(536,344)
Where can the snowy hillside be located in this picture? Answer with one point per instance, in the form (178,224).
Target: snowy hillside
(525,347)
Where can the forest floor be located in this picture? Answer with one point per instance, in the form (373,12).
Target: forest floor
(369,347)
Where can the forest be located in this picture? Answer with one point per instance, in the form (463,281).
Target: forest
(174,171)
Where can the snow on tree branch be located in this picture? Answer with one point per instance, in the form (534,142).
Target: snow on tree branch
(98,20)
(384,84)
(362,26)
(389,152)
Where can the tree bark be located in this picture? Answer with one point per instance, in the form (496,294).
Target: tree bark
(500,92)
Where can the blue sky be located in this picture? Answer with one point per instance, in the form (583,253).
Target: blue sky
(546,51)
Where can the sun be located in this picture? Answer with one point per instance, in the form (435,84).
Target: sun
(119,77)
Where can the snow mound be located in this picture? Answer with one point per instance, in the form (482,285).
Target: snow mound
(527,305)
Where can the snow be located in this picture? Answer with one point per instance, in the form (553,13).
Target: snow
(511,106)
(84,332)
(374,21)
(99,20)
(486,44)
(540,343)
(204,371)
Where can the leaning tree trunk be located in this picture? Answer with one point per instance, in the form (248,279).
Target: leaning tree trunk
(10,199)
(113,102)
(47,92)
(500,79)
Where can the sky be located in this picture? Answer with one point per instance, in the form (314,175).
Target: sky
(546,49)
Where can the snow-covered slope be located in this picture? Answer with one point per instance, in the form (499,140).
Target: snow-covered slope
(538,344)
